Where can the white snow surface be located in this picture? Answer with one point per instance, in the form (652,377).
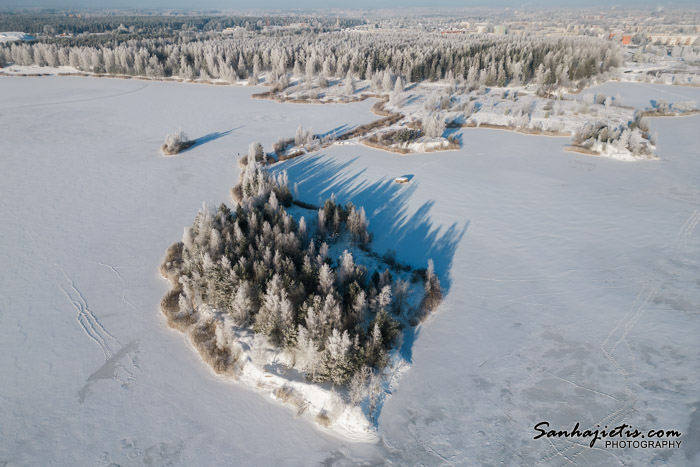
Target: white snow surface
(15,36)
(572,285)
(37,70)
(265,368)
(640,95)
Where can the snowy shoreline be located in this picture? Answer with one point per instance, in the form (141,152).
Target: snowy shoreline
(532,116)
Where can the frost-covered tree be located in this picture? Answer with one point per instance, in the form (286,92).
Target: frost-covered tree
(433,126)
(346,266)
(307,358)
(336,361)
(374,388)
(400,292)
(388,80)
(357,225)
(241,304)
(167,49)
(256,153)
(433,291)
(326,279)
(176,143)
(349,84)
(256,266)
(357,389)
(269,318)
(272,202)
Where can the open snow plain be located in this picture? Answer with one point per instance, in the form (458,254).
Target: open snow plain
(573,285)
(640,95)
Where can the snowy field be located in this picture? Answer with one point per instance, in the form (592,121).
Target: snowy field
(15,36)
(573,290)
(640,95)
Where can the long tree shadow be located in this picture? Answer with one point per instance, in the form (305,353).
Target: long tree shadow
(456,133)
(337,131)
(410,232)
(394,223)
(210,137)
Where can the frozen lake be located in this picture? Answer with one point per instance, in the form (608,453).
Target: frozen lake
(573,285)
(640,95)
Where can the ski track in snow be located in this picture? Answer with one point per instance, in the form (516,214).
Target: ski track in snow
(619,334)
(686,230)
(613,418)
(113,367)
(86,317)
(44,104)
(543,277)
(121,278)
(88,320)
(665,91)
(519,425)
(582,387)
(94,329)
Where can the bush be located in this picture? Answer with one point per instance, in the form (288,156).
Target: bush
(203,336)
(172,263)
(453,142)
(177,318)
(282,144)
(176,143)
(284,393)
(323,419)
(404,135)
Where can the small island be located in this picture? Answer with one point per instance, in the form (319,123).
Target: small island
(291,299)
(176,142)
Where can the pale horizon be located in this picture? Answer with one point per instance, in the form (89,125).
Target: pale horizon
(225,6)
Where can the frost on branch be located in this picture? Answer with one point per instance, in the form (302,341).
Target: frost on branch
(633,139)
(176,143)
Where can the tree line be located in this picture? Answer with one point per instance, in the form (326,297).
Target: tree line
(37,23)
(411,54)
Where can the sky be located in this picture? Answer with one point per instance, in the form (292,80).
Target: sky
(282,4)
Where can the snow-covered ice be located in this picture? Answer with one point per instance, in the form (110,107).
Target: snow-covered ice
(89,205)
(573,291)
(640,95)
(15,36)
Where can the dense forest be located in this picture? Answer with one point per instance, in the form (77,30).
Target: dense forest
(156,24)
(171,47)
(259,267)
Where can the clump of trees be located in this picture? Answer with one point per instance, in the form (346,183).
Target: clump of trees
(662,107)
(57,22)
(304,137)
(433,125)
(258,267)
(255,153)
(404,135)
(176,143)
(633,137)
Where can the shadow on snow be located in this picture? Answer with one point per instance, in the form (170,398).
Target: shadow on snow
(410,232)
(210,137)
(413,235)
